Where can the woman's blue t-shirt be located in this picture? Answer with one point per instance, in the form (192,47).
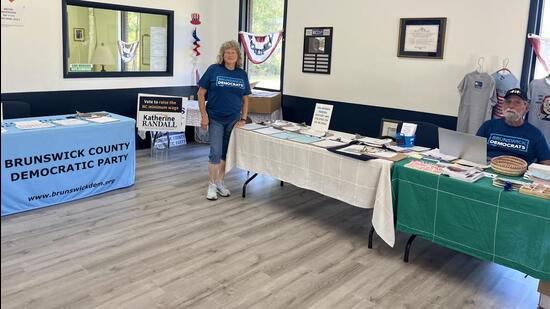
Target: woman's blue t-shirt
(225,91)
(525,141)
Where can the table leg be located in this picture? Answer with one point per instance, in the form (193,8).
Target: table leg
(246,182)
(153,140)
(371,233)
(408,248)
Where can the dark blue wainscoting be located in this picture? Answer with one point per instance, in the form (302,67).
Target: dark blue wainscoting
(357,118)
(118,101)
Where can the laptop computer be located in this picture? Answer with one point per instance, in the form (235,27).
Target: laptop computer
(463,145)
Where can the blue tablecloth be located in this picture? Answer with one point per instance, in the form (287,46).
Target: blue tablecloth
(47,166)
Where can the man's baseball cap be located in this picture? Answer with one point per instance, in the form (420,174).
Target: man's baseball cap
(516,91)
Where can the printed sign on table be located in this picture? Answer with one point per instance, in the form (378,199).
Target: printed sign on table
(161,113)
(321,117)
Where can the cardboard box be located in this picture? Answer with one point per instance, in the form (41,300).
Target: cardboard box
(264,102)
(544,289)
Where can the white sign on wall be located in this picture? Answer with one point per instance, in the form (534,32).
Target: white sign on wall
(12,12)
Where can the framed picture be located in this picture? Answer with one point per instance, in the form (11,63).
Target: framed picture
(317,50)
(389,128)
(422,37)
(78,34)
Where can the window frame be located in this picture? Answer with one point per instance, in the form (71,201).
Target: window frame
(533,26)
(116,7)
(244,25)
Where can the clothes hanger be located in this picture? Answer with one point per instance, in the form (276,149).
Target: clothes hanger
(480,62)
(504,68)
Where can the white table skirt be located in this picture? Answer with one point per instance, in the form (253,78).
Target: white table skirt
(365,184)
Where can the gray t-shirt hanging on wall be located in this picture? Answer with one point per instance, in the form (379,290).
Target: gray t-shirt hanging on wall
(477,98)
(503,82)
(539,107)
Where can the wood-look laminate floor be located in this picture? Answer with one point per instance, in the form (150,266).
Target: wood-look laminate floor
(161,244)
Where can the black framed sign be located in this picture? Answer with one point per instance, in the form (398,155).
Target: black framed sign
(317,50)
(389,128)
(422,37)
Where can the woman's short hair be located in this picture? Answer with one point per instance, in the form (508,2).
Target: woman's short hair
(231,45)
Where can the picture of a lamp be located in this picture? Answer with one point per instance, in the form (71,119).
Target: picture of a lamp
(103,56)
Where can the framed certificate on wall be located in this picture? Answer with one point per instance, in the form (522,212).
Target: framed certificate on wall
(422,37)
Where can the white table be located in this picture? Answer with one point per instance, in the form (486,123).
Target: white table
(365,184)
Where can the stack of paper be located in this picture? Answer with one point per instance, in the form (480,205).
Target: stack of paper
(425,166)
(434,153)
(514,184)
(32,124)
(539,173)
(252,126)
(341,136)
(70,122)
(286,135)
(473,164)
(305,139)
(312,132)
(353,149)
(327,143)
(463,174)
(104,119)
(280,123)
(268,131)
(375,141)
(292,128)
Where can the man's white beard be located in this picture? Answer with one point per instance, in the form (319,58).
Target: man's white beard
(511,115)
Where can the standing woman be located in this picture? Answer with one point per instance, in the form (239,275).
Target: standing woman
(227,87)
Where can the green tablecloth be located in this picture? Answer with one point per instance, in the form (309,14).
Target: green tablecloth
(478,219)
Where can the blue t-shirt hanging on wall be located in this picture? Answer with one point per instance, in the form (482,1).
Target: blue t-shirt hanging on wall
(225,91)
(525,141)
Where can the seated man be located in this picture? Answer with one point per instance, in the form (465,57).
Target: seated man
(511,135)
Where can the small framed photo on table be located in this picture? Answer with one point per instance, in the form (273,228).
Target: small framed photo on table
(78,34)
(389,128)
(422,37)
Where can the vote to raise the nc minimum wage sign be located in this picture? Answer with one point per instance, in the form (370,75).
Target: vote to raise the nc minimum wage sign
(161,113)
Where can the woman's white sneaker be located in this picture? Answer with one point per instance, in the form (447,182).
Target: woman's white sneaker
(222,190)
(212,193)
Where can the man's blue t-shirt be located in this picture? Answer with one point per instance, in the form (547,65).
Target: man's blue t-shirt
(225,91)
(526,141)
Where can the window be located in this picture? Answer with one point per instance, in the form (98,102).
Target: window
(538,23)
(131,33)
(545,33)
(265,16)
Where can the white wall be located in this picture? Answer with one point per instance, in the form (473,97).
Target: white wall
(365,68)
(220,24)
(32,55)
